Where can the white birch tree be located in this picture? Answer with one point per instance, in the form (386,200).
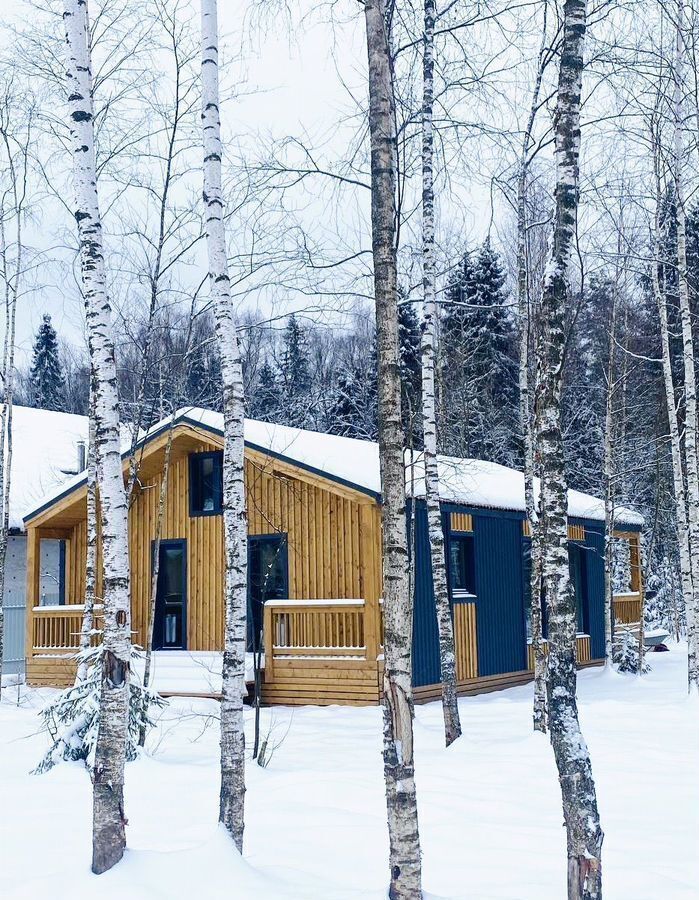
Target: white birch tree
(232,798)
(91,562)
(109,820)
(584,833)
(679,493)
(691,457)
(527,344)
(398,751)
(15,142)
(447,655)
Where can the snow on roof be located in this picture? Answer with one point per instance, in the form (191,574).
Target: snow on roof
(354,462)
(476,482)
(44,455)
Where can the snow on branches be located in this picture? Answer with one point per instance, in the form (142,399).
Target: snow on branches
(72,718)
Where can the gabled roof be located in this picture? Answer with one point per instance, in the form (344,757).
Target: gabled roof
(44,456)
(355,464)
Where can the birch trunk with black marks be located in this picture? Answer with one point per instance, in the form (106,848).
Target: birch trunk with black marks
(609,490)
(109,820)
(155,571)
(11,276)
(447,654)
(691,461)
(232,796)
(527,340)
(584,834)
(88,620)
(399,769)
(680,497)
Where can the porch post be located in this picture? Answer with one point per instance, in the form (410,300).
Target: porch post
(268,642)
(370,549)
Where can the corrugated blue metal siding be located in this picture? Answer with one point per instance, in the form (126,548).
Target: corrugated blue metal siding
(426,668)
(594,560)
(499,607)
(14,605)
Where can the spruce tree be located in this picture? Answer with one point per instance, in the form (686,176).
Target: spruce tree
(295,374)
(478,362)
(266,401)
(410,373)
(354,410)
(46,373)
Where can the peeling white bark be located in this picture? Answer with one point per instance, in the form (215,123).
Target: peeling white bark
(447,654)
(12,274)
(609,491)
(399,767)
(232,796)
(527,338)
(109,821)
(691,460)
(583,830)
(680,497)
(91,553)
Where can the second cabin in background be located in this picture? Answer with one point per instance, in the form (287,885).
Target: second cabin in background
(314,576)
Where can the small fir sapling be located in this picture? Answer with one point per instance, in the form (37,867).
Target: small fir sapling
(72,717)
(626,653)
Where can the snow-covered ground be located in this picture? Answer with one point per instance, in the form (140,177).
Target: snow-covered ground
(490,816)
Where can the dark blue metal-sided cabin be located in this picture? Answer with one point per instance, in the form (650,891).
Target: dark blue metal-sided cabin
(488,572)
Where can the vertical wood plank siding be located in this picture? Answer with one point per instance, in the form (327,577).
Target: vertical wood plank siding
(334,553)
(326,535)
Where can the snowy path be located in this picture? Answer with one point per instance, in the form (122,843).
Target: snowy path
(489,806)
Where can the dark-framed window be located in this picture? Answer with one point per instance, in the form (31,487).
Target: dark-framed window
(268,578)
(462,564)
(206,483)
(52,572)
(578,583)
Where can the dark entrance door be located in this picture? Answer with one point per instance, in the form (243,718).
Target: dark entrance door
(267,579)
(170,626)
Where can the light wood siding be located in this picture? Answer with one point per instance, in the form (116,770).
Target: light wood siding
(333,542)
(465,641)
(461,521)
(575,532)
(583,652)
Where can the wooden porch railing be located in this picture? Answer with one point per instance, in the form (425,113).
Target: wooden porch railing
(583,651)
(627,608)
(318,629)
(56,629)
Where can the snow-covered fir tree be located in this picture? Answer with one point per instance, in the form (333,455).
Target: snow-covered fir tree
(410,372)
(296,380)
(354,409)
(478,362)
(46,372)
(72,717)
(266,400)
(626,655)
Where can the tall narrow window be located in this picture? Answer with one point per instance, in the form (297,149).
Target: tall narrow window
(206,484)
(578,585)
(462,570)
(52,585)
(268,579)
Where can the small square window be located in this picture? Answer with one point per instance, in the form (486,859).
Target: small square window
(206,484)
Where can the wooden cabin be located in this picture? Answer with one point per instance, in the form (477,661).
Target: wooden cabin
(314,560)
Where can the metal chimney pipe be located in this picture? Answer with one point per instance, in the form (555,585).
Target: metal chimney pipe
(82,456)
